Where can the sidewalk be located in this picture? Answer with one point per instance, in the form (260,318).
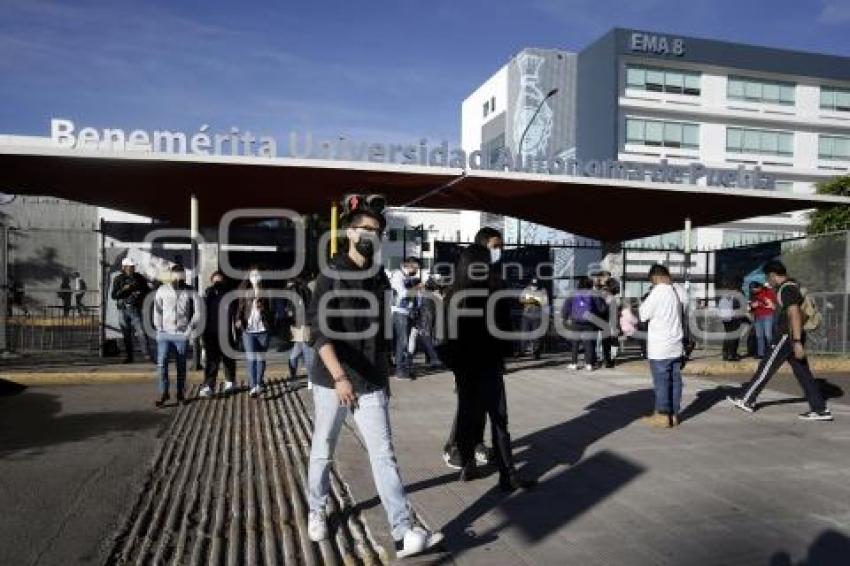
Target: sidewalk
(725,488)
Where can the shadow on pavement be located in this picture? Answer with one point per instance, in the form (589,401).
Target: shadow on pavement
(9,388)
(576,489)
(831,548)
(32,421)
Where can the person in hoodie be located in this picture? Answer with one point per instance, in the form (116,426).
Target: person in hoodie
(218,327)
(175,315)
(477,358)
(350,375)
(579,311)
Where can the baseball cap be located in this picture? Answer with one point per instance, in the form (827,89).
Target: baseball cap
(127,262)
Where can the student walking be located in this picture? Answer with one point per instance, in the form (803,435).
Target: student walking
(351,378)
(218,327)
(404,282)
(477,359)
(789,345)
(535,304)
(664,309)
(255,319)
(299,329)
(729,309)
(175,316)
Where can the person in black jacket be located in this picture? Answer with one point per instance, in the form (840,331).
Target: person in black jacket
(351,374)
(218,327)
(477,358)
(129,290)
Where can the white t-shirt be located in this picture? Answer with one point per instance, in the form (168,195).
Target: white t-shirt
(661,309)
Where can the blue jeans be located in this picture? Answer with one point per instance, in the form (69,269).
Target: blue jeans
(401,334)
(373,421)
(302,350)
(165,342)
(256,344)
(130,322)
(764,334)
(667,379)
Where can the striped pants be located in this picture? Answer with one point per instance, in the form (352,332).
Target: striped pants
(781,351)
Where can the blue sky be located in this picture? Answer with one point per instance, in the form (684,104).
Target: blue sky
(378,70)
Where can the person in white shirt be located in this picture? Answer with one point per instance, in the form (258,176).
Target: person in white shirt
(255,320)
(404,281)
(175,315)
(664,310)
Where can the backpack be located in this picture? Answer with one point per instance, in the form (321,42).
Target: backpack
(580,307)
(812,317)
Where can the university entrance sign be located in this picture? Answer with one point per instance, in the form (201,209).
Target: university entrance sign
(234,142)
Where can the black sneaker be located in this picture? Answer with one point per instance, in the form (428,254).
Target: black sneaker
(181,398)
(824,415)
(163,399)
(452,458)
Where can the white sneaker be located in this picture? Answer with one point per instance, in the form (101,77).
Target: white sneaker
(572,366)
(824,415)
(739,403)
(255,391)
(416,541)
(317,526)
(228,387)
(206,392)
(588,367)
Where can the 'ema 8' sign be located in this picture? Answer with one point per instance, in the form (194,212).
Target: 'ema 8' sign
(657,44)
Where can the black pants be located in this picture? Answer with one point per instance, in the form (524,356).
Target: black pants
(730,343)
(215,358)
(608,344)
(532,318)
(588,333)
(480,391)
(781,351)
(451,441)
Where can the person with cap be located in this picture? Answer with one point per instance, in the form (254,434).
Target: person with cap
(129,290)
(347,315)
(175,315)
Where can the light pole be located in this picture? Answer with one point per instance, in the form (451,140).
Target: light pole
(549,95)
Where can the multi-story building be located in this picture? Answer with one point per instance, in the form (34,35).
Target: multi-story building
(644,97)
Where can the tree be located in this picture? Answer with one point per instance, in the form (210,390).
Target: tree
(832,218)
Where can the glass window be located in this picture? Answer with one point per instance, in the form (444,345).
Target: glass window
(635,77)
(784,186)
(786,143)
(486,108)
(827,98)
(675,82)
(752,141)
(691,83)
(735,88)
(769,142)
(770,92)
(654,133)
(654,80)
(634,130)
(690,135)
(493,104)
(733,139)
(758,90)
(834,147)
(672,134)
(842,100)
(841,148)
(835,99)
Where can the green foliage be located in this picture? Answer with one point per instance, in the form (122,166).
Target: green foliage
(832,218)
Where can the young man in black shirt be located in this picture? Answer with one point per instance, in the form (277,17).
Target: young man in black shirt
(350,376)
(789,340)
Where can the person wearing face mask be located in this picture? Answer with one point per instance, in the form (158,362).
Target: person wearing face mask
(216,325)
(404,283)
(477,358)
(255,320)
(175,315)
(351,378)
(534,302)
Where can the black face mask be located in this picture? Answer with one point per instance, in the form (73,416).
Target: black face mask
(365,247)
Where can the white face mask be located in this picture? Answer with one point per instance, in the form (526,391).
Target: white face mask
(254,278)
(495,254)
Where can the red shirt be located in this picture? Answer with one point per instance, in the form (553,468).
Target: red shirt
(763,302)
